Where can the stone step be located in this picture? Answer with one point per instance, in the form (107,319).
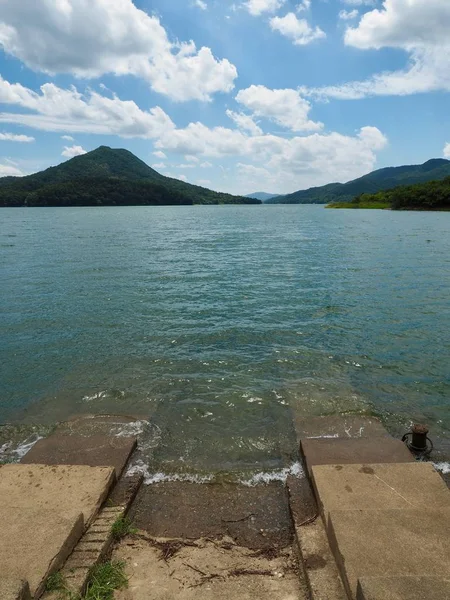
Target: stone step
(389,543)
(91,441)
(96,542)
(35,543)
(403,588)
(379,486)
(44,511)
(320,570)
(347,451)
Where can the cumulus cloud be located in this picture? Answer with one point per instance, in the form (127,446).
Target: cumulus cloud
(10,171)
(282,163)
(200,4)
(244,122)
(447,150)
(58,109)
(297,30)
(88,38)
(182,177)
(258,7)
(12,137)
(159,154)
(360,2)
(68,138)
(420,28)
(348,15)
(284,107)
(71,151)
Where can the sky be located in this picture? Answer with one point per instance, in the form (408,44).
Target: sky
(238,96)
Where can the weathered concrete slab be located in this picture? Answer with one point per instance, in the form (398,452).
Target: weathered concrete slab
(66,490)
(97,450)
(403,588)
(338,427)
(321,571)
(14,589)
(35,542)
(255,517)
(354,451)
(367,487)
(390,543)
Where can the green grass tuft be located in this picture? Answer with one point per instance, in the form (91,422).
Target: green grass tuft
(105,579)
(122,527)
(55,582)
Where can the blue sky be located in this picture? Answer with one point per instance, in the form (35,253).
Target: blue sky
(250,95)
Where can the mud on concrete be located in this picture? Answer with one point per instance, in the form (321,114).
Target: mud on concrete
(208,568)
(253,517)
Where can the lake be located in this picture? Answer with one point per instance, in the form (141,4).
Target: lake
(216,322)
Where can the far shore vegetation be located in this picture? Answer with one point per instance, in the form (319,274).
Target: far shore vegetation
(434,195)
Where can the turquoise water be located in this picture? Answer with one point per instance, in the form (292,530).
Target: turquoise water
(219,322)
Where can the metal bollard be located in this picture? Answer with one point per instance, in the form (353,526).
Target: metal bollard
(419,440)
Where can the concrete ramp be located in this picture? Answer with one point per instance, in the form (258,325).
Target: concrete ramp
(44,511)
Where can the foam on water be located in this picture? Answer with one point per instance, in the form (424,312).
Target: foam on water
(15,454)
(443,467)
(259,478)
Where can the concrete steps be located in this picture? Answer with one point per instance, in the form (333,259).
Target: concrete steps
(44,511)
(387,518)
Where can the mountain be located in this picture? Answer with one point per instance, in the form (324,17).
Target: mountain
(106,177)
(263,196)
(382,179)
(432,195)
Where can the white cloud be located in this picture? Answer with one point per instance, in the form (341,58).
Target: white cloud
(420,28)
(193,159)
(68,138)
(200,4)
(206,165)
(159,154)
(203,182)
(159,166)
(360,2)
(258,7)
(12,137)
(58,109)
(9,171)
(297,30)
(185,166)
(182,177)
(304,5)
(89,38)
(71,151)
(447,151)
(285,107)
(244,122)
(348,15)
(281,163)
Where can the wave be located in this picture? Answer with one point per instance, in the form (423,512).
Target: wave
(258,478)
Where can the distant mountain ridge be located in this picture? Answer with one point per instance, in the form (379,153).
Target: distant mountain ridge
(104,177)
(376,181)
(263,196)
